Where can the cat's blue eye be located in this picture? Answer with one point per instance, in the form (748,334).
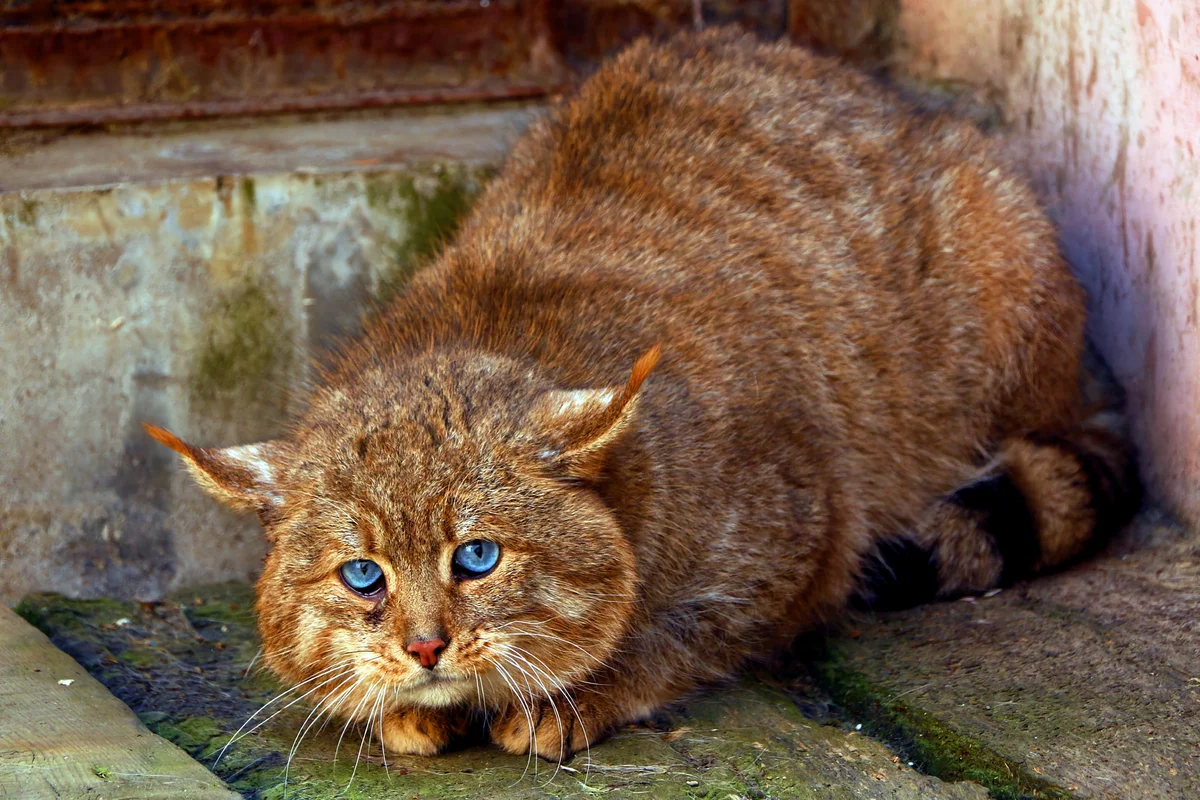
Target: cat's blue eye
(476,558)
(363,577)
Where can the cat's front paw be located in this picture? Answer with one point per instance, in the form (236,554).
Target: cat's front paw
(419,732)
(560,729)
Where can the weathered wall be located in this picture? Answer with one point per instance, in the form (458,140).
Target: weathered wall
(189,303)
(1103,99)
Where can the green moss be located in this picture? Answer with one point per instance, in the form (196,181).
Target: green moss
(227,603)
(932,746)
(27,213)
(248,194)
(431,208)
(51,613)
(246,348)
(142,657)
(197,735)
(748,741)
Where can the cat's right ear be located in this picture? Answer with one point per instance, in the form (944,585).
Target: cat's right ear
(583,424)
(245,477)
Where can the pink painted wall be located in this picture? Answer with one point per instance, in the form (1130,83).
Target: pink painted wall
(1103,100)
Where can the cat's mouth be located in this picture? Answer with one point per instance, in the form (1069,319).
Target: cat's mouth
(437,677)
(434,678)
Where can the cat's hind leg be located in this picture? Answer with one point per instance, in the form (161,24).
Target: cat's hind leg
(1045,500)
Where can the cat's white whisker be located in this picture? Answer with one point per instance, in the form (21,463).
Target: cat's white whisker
(383,745)
(515,661)
(238,733)
(249,667)
(349,719)
(365,734)
(503,673)
(561,640)
(479,690)
(319,710)
(522,622)
(566,695)
(236,737)
(527,657)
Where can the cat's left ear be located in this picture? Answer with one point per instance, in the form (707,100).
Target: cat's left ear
(245,477)
(583,424)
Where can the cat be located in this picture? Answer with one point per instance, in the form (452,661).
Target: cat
(735,338)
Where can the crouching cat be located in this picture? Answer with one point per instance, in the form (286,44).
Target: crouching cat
(735,337)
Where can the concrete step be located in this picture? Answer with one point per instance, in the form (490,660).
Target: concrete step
(1089,679)
(1082,684)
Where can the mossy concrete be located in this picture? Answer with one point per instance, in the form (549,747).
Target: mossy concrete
(190,275)
(246,352)
(934,746)
(1085,682)
(1077,685)
(182,665)
(198,305)
(430,207)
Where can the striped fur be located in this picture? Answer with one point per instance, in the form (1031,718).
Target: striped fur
(1046,500)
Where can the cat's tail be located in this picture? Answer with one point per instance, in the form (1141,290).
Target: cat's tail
(1046,500)
(1056,497)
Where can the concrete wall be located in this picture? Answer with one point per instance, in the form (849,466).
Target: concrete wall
(1103,99)
(192,303)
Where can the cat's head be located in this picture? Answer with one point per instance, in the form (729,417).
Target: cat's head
(435,535)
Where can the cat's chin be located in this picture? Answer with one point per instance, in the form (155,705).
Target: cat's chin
(438,691)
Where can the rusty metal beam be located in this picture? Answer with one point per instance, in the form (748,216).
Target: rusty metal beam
(69,63)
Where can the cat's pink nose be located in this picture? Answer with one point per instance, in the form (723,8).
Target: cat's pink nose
(427,650)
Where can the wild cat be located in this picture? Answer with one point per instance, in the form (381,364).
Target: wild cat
(737,335)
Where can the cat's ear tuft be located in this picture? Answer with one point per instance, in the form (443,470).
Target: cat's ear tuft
(583,424)
(244,478)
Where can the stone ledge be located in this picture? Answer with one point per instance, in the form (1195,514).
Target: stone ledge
(1086,680)
(1076,685)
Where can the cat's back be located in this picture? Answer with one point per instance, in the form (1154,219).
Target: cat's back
(749,203)
(718,193)
(851,296)
(715,163)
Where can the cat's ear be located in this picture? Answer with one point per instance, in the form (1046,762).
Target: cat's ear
(584,423)
(244,478)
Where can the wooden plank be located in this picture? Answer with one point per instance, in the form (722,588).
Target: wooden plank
(62,735)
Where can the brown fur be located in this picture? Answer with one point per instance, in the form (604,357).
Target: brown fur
(861,312)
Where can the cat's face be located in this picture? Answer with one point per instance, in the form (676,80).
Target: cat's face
(519,577)
(435,540)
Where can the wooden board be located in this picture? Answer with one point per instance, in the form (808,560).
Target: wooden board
(75,740)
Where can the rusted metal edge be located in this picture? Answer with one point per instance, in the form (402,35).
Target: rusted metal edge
(209,58)
(100,114)
(58,16)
